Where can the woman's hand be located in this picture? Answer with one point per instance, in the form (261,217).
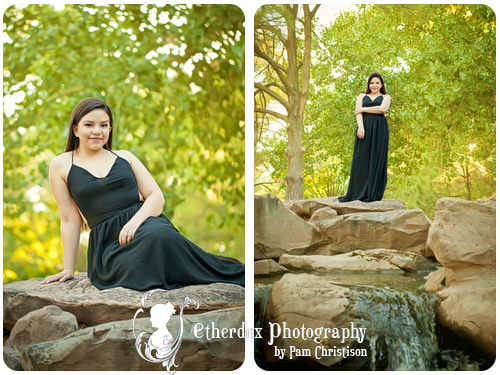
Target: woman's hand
(358,111)
(128,232)
(64,275)
(361,132)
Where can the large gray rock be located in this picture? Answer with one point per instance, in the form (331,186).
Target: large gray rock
(403,230)
(306,208)
(277,230)
(463,234)
(92,306)
(46,324)
(377,260)
(111,346)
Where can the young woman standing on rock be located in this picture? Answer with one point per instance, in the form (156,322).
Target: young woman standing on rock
(131,243)
(369,162)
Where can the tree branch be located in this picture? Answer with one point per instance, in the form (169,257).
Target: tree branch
(273,95)
(278,68)
(272,113)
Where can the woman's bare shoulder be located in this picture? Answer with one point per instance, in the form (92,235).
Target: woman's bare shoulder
(61,161)
(60,165)
(125,154)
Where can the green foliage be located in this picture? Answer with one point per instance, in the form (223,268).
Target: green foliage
(174,78)
(439,66)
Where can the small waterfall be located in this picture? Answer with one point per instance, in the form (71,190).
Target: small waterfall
(400,328)
(401,333)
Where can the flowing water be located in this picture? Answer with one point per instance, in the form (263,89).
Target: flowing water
(401,331)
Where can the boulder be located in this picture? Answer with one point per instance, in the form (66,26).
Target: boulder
(356,261)
(111,346)
(305,208)
(268,267)
(469,310)
(491,201)
(446,277)
(466,303)
(303,299)
(11,358)
(395,329)
(46,324)
(463,239)
(403,230)
(277,230)
(378,260)
(463,234)
(92,306)
(324,213)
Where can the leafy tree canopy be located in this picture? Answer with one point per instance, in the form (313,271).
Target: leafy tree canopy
(439,67)
(173,76)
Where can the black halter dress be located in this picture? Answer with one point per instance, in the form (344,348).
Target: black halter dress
(369,161)
(157,257)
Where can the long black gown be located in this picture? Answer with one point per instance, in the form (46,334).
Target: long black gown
(369,160)
(157,257)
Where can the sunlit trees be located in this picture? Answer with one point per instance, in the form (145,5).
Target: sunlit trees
(283,40)
(439,65)
(174,78)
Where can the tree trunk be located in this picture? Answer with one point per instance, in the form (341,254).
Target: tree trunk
(294,77)
(294,153)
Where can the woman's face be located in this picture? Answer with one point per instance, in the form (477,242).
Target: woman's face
(93,130)
(375,85)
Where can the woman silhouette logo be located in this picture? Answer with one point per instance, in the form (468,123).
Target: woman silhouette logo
(161,339)
(161,346)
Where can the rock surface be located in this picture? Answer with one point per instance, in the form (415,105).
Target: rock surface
(267,267)
(46,324)
(92,306)
(491,201)
(277,230)
(305,208)
(395,328)
(377,260)
(463,233)
(112,346)
(324,213)
(463,238)
(404,230)
(306,299)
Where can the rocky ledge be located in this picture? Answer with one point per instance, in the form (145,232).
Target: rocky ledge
(324,235)
(463,238)
(75,326)
(326,227)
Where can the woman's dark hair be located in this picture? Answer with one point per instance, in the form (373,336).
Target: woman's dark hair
(375,75)
(84,107)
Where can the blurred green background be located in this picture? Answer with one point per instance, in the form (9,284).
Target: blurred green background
(173,76)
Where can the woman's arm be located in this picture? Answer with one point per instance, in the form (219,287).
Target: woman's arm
(359,117)
(150,191)
(71,220)
(378,109)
